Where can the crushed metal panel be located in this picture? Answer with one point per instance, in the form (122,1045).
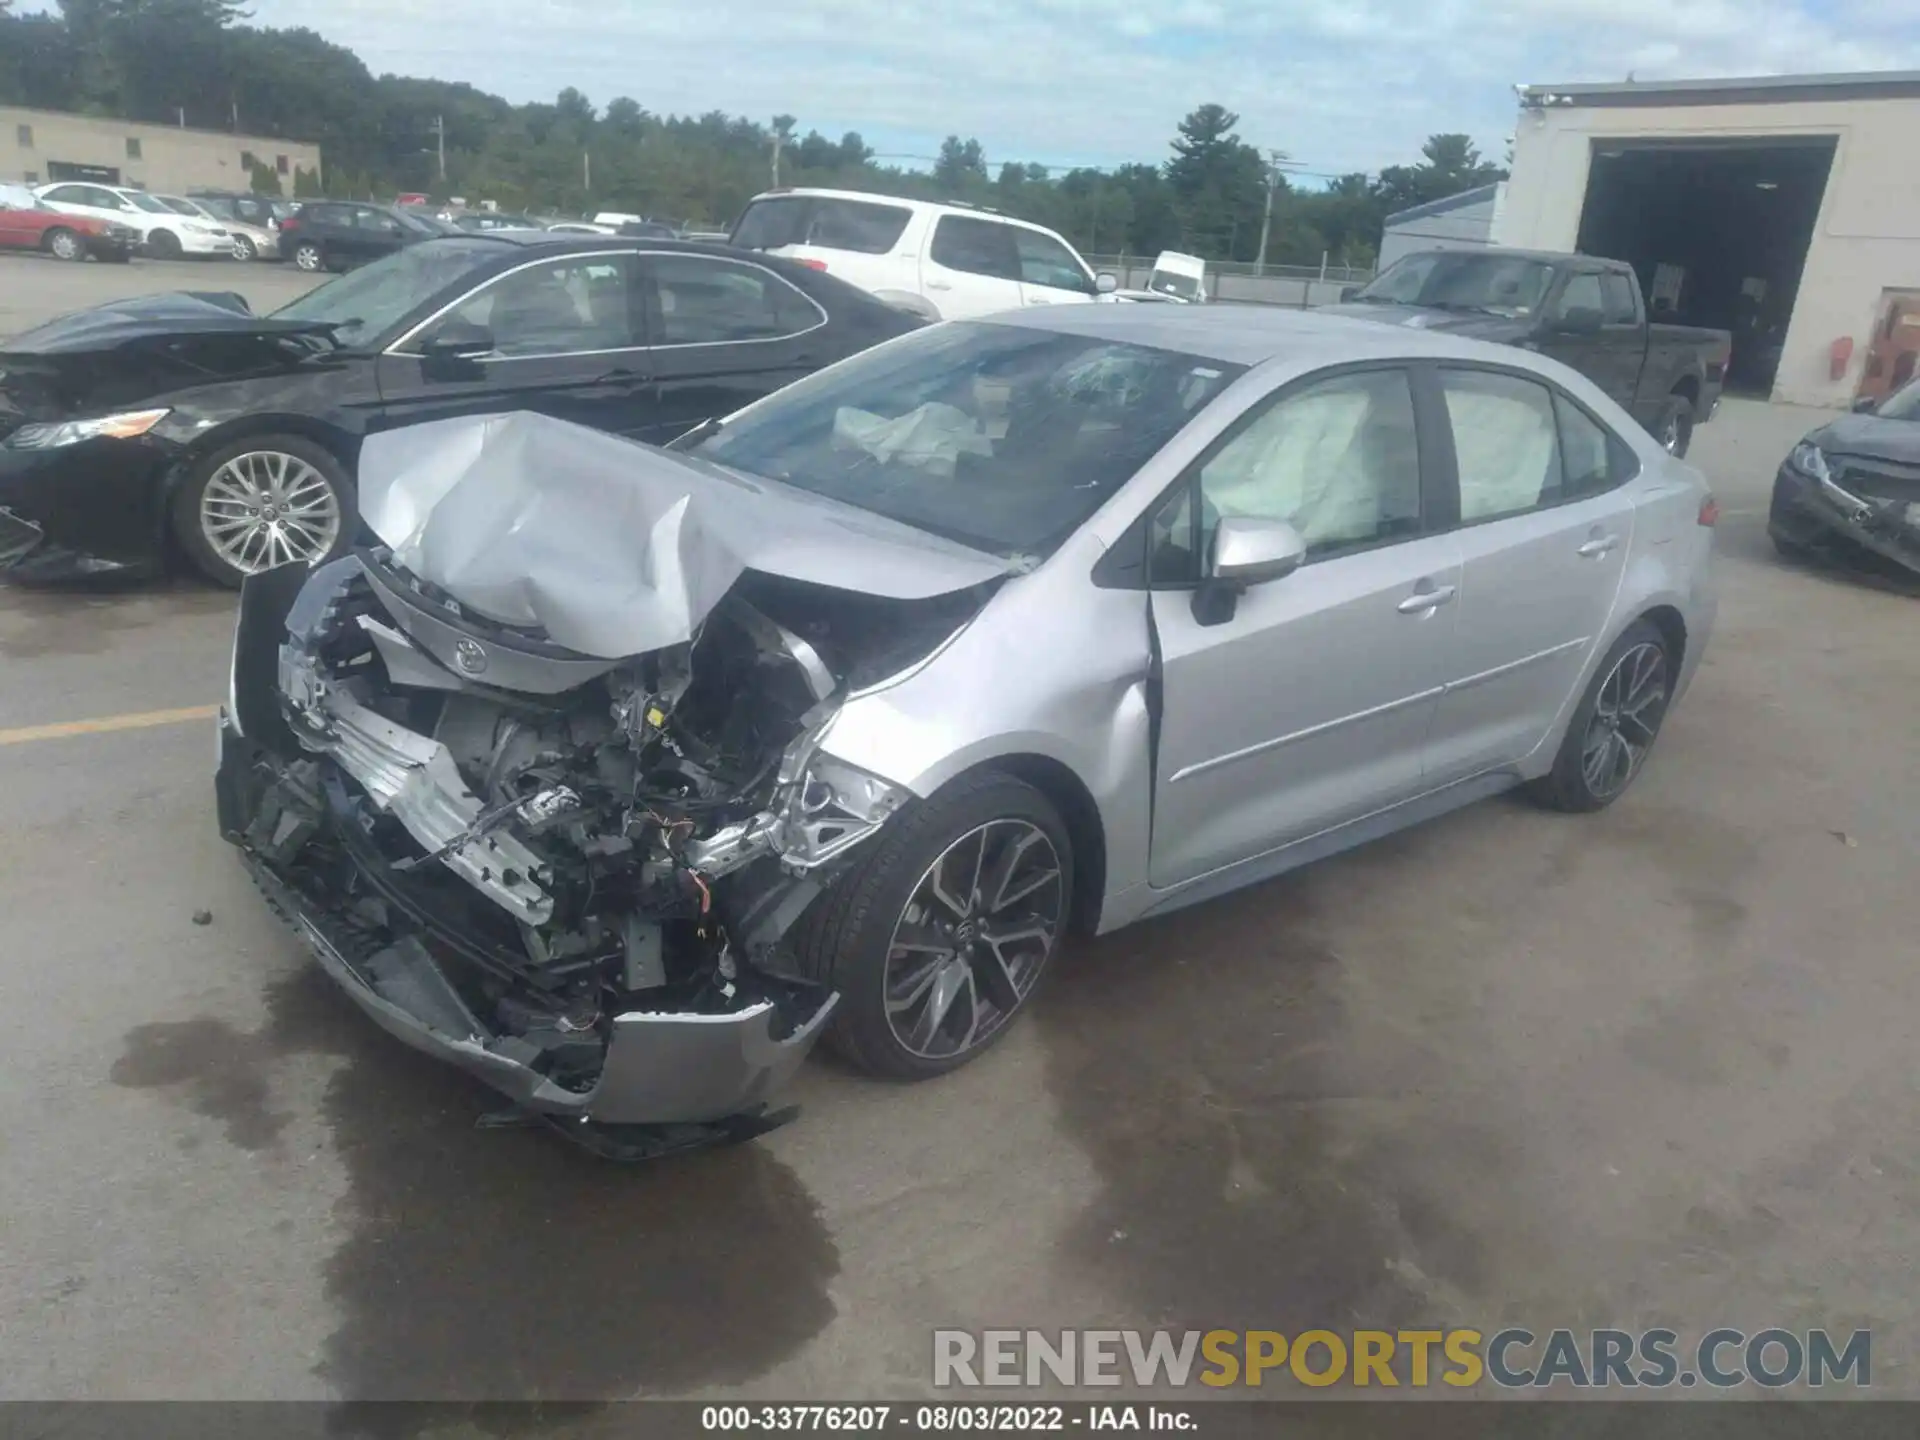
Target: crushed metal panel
(614,548)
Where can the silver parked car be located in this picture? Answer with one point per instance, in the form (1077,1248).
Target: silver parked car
(618,776)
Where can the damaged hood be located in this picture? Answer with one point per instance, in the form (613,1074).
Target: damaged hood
(146,318)
(614,548)
(1871,437)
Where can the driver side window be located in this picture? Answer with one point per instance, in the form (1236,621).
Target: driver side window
(1582,292)
(1338,460)
(571,306)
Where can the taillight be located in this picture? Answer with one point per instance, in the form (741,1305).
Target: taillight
(292,222)
(811,264)
(1709,511)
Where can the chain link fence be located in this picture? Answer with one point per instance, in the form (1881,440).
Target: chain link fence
(1301,286)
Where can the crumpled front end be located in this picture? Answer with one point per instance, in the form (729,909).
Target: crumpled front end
(571,876)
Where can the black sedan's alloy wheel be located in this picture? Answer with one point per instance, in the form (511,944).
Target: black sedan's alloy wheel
(270,500)
(939,936)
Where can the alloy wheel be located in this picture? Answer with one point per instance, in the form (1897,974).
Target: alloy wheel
(242,248)
(1626,716)
(307,257)
(66,245)
(973,938)
(266,508)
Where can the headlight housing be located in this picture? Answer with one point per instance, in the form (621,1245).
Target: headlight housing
(127,425)
(1809,460)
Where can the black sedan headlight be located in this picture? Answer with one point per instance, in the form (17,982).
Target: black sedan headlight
(1809,460)
(52,435)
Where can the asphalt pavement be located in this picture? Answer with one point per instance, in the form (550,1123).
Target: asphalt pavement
(1650,1066)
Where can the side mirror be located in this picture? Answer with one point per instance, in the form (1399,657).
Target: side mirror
(1252,552)
(1106,282)
(1347,292)
(1245,552)
(1865,405)
(1579,320)
(457,339)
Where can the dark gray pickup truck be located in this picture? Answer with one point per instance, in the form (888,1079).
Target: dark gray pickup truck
(1584,312)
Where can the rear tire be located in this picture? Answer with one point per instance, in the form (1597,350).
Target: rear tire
(63,244)
(1614,726)
(308,256)
(163,245)
(852,937)
(243,249)
(1674,429)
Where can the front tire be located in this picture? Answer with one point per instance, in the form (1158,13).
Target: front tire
(1615,724)
(308,256)
(163,245)
(268,500)
(63,244)
(940,934)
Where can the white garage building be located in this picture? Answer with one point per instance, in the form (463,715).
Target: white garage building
(1785,209)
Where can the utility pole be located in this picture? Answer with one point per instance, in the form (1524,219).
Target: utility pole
(440,142)
(586,171)
(1276,159)
(779,141)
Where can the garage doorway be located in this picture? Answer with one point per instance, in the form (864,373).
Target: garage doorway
(1717,232)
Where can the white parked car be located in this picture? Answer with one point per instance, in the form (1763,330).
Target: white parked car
(943,261)
(1175,278)
(250,242)
(165,232)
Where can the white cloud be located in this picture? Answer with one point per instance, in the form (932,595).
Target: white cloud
(1340,84)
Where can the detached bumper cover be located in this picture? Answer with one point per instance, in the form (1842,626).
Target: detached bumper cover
(660,1068)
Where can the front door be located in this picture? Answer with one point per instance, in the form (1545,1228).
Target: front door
(971,268)
(566,343)
(722,333)
(1050,273)
(1309,705)
(1545,528)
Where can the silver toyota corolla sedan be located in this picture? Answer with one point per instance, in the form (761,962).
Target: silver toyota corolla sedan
(619,776)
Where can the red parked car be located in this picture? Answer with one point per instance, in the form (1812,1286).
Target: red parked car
(28,224)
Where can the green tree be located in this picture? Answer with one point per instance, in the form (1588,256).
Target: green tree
(960,167)
(1219,184)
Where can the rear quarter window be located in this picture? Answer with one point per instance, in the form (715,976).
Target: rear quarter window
(769,224)
(854,225)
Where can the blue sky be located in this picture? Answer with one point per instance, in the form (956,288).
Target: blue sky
(1338,84)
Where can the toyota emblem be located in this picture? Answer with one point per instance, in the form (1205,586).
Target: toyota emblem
(470,657)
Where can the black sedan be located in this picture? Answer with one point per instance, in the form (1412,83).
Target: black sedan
(182,423)
(337,235)
(1853,486)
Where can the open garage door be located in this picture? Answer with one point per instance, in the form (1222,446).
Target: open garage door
(1717,231)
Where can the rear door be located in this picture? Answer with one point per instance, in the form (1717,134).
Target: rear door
(721,334)
(1050,273)
(567,343)
(1309,706)
(971,268)
(374,233)
(1545,525)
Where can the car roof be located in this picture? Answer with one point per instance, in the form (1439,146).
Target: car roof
(1247,334)
(1506,252)
(907,202)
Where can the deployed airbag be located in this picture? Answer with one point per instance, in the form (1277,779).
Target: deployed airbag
(614,548)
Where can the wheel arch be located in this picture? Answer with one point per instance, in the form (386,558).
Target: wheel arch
(1085,828)
(337,442)
(1687,387)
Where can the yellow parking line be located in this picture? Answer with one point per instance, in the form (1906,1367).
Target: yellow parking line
(106,724)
